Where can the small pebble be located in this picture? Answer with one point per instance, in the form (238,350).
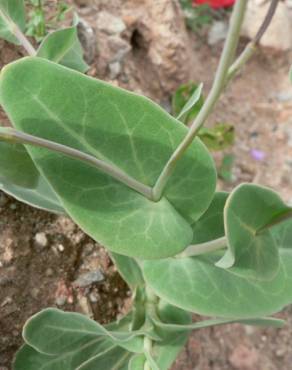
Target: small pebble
(34,293)
(281,352)
(89,278)
(49,272)
(61,248)
(41,239)
(93,297)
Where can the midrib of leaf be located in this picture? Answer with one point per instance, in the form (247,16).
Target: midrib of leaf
(132,144)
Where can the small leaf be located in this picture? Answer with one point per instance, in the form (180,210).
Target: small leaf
(181,99)
(251,253)
(54,332)
(129,270)
(11,11)
(219,137)
(211,225)
(197,285)
(123,129)
(20,178)
(195,97)
(63,46)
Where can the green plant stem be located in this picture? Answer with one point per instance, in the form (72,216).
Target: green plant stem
(218,85)
(151,301)
(147,349)
(251,47)
(198,249)
(19,34)
(243,58)
(14,136)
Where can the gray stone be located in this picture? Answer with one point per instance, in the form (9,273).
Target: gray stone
(218,32)
(109,23)
(87,38)
(89,278)
(118,47)
(278,35)
(114,69)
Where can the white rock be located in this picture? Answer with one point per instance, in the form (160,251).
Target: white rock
(109,23)
(41,239)
(278,34)
(217,33)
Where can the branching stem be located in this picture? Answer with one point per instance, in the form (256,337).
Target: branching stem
(219,83)
(198,249)
(14,136)
(251,47)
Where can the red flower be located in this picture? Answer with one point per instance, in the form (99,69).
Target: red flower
(215,4)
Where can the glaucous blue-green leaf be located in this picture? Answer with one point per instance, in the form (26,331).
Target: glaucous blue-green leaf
(11,11)
(189,100)
(63,46)
(53,102)
(129,270)
(97,354)
(54,332)
(252,251)
(211,225)
(197,285)
(20,178)
(194,98)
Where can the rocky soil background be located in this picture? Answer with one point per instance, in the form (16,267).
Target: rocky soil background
(144,46)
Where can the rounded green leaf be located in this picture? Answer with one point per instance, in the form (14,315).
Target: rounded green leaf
(252,252)
(197,285)
(134,134)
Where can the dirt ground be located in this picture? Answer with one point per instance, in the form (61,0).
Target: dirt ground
(43,256)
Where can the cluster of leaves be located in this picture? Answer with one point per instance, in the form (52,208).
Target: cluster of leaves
(196,17)
(37,24)
(151,242)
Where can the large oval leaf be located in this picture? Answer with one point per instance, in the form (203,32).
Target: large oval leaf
(197,285)
(20,178)
(53,102)
(249,211)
